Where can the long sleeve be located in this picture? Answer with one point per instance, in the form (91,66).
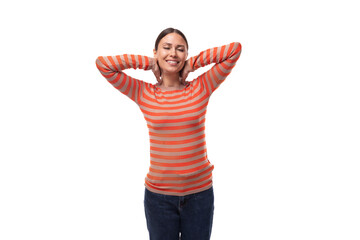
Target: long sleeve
(111,67)
(224,57)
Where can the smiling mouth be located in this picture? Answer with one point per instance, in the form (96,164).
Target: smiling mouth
(172,63)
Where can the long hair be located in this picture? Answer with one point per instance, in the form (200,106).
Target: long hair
(166,32)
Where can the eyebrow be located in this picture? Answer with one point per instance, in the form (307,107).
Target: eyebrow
(171,44)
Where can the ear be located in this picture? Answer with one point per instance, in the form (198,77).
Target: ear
(154,51)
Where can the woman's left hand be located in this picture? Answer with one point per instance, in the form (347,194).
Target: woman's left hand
(185,72)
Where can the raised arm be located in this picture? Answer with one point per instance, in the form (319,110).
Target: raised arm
(224,57)
(111,67)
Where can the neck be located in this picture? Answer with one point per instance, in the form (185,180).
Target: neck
(171,80)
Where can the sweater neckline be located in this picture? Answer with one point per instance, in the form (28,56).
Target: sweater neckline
(169,89)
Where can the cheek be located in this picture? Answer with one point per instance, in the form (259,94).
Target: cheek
(161,63)
(160,54)
(182,65)
(183,55)
(183,59)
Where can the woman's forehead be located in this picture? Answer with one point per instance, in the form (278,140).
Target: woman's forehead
(173,39)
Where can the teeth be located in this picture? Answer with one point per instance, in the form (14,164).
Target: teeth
(172,62)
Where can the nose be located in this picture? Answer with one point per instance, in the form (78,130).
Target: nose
(173,52)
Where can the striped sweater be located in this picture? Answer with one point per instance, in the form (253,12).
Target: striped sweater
(179,164)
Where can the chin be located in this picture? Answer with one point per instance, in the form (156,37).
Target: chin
(172,70)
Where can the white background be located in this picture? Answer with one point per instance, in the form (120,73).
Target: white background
(282,131)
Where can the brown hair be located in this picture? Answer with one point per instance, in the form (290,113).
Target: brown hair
(166,32)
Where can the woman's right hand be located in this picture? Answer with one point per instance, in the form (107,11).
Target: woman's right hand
(156,70)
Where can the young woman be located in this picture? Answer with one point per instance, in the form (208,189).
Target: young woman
(179,198)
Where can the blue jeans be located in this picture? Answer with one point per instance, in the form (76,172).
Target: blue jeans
(168,216)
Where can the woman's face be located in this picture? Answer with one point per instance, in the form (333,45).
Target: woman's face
(171,53)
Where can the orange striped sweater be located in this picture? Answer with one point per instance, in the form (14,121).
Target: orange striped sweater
(179,164)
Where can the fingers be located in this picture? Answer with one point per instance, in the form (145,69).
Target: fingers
(156,71)
(183,77)
(185,72)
